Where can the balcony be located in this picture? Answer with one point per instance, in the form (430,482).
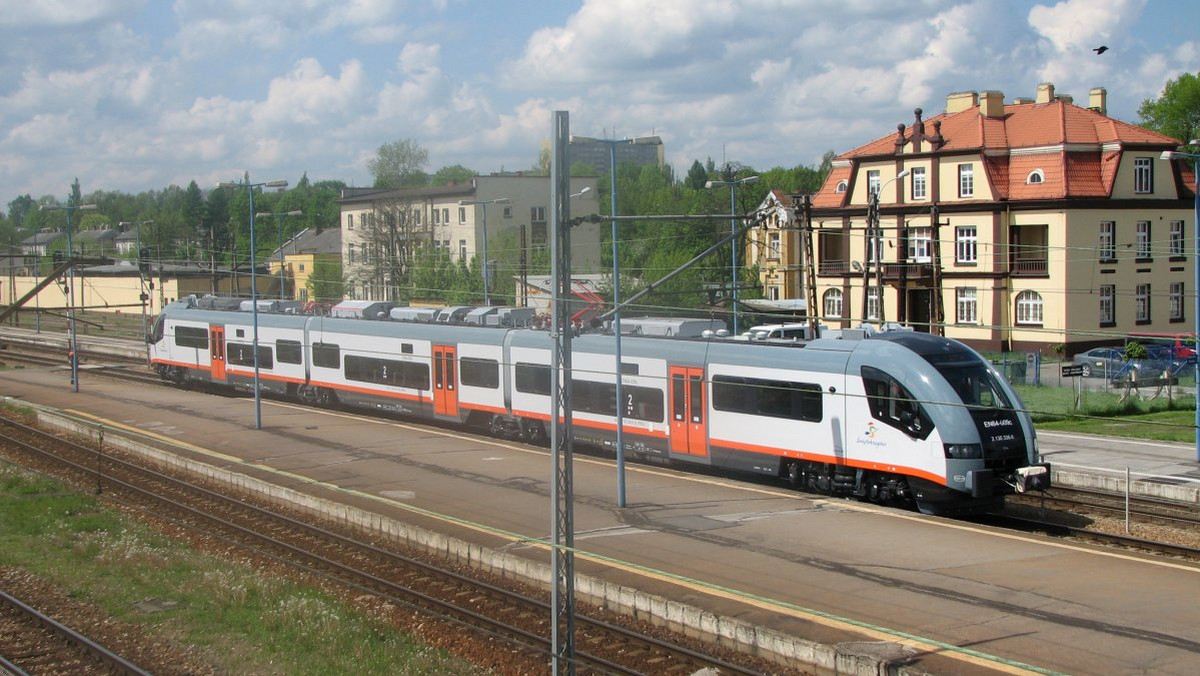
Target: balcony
(908,272)
(1029,267)
(833,268)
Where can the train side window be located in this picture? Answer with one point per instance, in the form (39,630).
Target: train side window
(242,354)
(191,336)
(641,403)
(678,397)
(771,398)
(327,355)
(892,404)
(288,351)
(532,378)
(387,372)
(477,372)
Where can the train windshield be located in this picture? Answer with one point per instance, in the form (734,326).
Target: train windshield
(977,385)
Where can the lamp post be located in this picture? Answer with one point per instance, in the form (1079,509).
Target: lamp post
(1195,158)
(487,298)
(143,268)
(254,285)
(733,263)
(279,229)
(72,337)
(875,235)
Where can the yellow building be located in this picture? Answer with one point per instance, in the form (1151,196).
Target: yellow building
(1015,225)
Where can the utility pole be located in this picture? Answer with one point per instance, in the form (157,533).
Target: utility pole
(802,207)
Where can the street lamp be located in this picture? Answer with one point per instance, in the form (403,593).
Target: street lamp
(875,236)
(733,265)
(487,298)
(72,338)
(279,228)
(142,270)
(254,285)
(1195,158)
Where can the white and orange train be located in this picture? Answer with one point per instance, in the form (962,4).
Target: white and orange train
(892,417)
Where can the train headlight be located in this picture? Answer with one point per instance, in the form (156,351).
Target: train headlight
(964,451)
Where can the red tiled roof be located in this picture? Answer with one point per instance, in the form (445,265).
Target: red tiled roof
(1060,127)
(827,196)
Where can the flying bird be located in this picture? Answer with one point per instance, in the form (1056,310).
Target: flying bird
(1101,49)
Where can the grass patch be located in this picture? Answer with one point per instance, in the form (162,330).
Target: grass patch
(242,622)
(1053,408)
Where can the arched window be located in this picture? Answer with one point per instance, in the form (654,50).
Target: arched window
(1035,177)
(832,303)
(1029,308)
(841,187)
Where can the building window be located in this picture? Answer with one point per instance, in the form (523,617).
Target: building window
(920,245)
(841,187)
(966,244)
(350,254)
(366,258)
(437,217)
(1029,308)
(508,212)
(1176,301)
(1108,241)
(1036,177)
(833,303)
(462,215)
(1176,239)
(918,183)
(968,305)
(1143,239)
(1142,304)
(537,214)
(873,182)
(416,216)
(446,215)
(873,302)
(462,249)
(966,180)
(302,267)
(349,221)
(1108,304)
(772,293)
(773,245)
(1143,175)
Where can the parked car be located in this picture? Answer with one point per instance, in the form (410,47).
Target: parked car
(1110,362)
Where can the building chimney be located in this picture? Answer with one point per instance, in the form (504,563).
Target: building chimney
(960,101)
(991,104)
(1045,93)
(1098,100)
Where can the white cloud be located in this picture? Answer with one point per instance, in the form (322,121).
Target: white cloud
(38,13)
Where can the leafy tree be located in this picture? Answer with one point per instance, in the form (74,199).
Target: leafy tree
(325,284)
(696,176)
(1176,112)
(19,209)
(391,233)
(457,174)
(399,164)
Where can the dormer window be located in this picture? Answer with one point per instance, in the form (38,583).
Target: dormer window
(1036,177)
(841,187)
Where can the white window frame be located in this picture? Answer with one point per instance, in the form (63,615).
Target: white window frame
(773,245)
(966,244)
(1030,308)
(1141,303)
(873,182)
(1143,175)
(1108,304)
(462,249)
(873,296)
(832,303)
(966,300)
(1142,239)
(920,244)
(349,221)
(966,180)
(1177,301)
(462,215)
(918,183)
(1177,235)
(1108,240)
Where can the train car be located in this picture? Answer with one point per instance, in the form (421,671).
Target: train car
(891,417)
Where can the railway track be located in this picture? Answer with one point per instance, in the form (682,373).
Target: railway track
(481,610)
(32,642)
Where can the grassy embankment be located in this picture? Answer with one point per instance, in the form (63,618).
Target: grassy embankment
(1105,413)
(240,621)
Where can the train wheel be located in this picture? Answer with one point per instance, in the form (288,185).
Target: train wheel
(793,474)
(326,397)
(307,394)
(534,432)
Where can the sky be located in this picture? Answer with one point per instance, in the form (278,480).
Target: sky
(136,95)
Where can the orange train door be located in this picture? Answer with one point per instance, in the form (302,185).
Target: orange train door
(216,351)
(689,431)
(445,381)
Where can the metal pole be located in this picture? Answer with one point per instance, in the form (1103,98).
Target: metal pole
(487,298)
(254,312)
(73,342)
(612,192)
(1196,296)
(279,229)
(733,270)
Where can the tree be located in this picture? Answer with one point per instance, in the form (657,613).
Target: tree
(696,176)
(390,236)
(1176,112)
(399,164)
(325,284)
(457,174)
(19,208)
